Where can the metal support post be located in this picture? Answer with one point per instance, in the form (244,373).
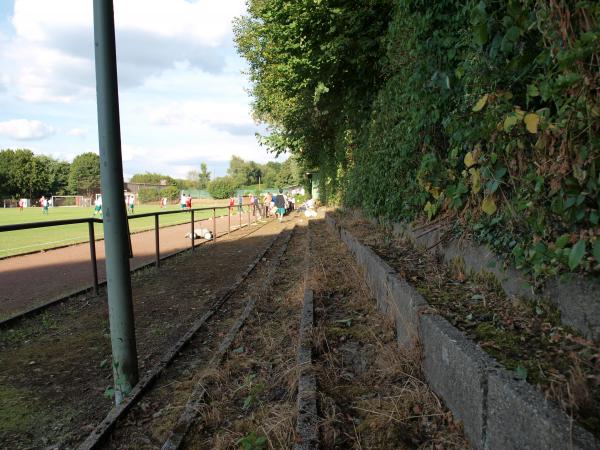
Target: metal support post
(93,255)
(214,225)
(192,229)
(157,240)
(118,279)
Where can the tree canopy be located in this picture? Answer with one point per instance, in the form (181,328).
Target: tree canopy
(84,176)
(23,174)
(485,112)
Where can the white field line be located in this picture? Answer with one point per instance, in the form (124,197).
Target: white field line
(80,239)
(42,244)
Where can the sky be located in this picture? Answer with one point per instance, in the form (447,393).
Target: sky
(183,96)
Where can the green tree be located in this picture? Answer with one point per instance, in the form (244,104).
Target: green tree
(55,174)
(238,170)
(84,175)
(222,187)
(485,111)
(153,178)
(203,176)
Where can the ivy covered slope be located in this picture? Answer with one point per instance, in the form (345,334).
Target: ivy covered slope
(487,112)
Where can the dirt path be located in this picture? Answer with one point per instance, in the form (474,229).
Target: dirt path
(32,280)
(55,367)
(150,422)
(370,394)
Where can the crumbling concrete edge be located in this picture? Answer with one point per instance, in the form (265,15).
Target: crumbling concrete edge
(306,424)
(489,400)
(576,296)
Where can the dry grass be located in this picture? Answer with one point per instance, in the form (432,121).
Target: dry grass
(253,396)
(372,392)
(520,334)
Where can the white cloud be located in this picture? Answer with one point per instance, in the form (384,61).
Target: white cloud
(77,132)
(182,98)
(223,114)
(25,130)
(50,59)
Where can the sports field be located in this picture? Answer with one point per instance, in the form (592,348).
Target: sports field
(26,241)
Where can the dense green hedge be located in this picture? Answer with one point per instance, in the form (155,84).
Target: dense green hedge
(487,112)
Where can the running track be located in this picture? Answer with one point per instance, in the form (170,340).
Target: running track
(31,280)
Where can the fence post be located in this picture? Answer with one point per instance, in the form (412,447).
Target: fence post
(214,225)
(93,255)
(157,240)
(228,219)
(240,214)
(192,229)
(249,208)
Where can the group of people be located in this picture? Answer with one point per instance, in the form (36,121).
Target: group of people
(129,205)
(185,201)
(274,204)
(44,203)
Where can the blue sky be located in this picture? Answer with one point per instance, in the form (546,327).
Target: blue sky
(182,93)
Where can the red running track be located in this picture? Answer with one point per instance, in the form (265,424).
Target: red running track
(33,280)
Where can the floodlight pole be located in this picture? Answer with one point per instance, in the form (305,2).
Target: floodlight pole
(118,280)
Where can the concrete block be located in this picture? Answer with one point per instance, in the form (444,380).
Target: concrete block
(520,418)
(456,369)
(404,303)
(376,275)
(578,299)
(349,240)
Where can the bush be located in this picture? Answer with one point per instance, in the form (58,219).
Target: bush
(222,187)
(146,195)
(171,192)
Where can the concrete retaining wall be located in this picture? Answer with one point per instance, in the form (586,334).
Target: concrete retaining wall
(576,297)
(497,411)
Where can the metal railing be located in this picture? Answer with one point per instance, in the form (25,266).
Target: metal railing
(92,220)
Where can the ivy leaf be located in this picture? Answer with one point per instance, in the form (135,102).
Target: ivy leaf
(532,121)
(562,241)
(596,250)
(532,90)
(492,186)
(576,254)
(480,103)
(510,121)
(475,180)
(470,159)
(488,206)
(512,34)
(480,32)
(521,372)
(500,172)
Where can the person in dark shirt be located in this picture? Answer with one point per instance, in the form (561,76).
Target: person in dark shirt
(280,204)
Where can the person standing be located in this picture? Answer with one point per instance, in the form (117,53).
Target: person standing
(267,203)
(280,205)
(240,203)
(188,202)
(131,203)
(21,202)
(256,207)
(44,205)
(183,201)
(98,206)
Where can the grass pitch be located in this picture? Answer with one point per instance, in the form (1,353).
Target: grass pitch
(26,241)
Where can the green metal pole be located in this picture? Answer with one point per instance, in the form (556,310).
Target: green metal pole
(116,243)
